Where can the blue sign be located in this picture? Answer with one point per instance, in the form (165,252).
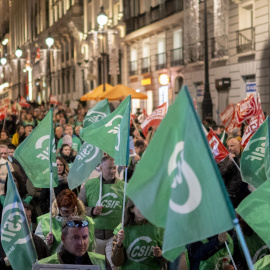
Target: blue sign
(251,87)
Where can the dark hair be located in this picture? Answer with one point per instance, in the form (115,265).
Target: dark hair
(105,158)
(62,148)
(5,131)
(11,146)
(18,128)
(139,143)
(28,207)
(215,127)
(66,168)
(65,227)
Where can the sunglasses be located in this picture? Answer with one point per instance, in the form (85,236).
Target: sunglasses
(77,223)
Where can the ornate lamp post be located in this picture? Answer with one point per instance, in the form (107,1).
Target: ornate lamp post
(207,105)
(49,42)
(18,54)
(102,20)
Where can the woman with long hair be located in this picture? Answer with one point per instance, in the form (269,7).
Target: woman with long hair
(62,170)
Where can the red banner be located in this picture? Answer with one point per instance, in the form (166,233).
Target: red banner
(23,103)
(253,124)
(246,109)
(219,151)
(154,119)
(228,117)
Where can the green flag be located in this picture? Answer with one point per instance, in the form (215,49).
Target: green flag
(89,156)
(255,210)
(177,185)
(111,134)
(252,159)
(100,111)
(37,154)
(16,238)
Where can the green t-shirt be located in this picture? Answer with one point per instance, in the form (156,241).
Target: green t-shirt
(112,202)
(138,243)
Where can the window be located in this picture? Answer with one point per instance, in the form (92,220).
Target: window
(163,94)
(246,16)
(177,39)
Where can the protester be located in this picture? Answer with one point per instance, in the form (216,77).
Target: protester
(58,134)
(137,227)
(68,154)
(105,212)
(4,138)
(27,130)
(209,253)
(76,143)
(41,249)
(10,151)
(62,170)
(66,205)
(19,133)
(75,238)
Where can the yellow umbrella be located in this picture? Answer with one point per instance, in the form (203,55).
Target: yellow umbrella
(120,92)
(98,91)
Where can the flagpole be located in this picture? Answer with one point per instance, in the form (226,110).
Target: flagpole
(51,202)
(124,200)
(235,268)
(226,197)
(100,188)
(126,168)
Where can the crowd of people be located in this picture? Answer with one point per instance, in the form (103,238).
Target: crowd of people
(86,225)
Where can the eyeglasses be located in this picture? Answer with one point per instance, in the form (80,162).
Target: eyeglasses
(76,223)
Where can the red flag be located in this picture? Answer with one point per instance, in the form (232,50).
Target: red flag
(3,113)
(228,117)
(246,109)
(219,151)
(253,124)
(53,100)
(23,103)
(132,117)
(154,119)
(144,112)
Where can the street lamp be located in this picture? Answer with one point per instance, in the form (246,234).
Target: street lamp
(102,19)
(49,42)
(3,61)
(207,105)
(18,54)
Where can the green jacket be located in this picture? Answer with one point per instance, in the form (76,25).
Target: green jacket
(96,259)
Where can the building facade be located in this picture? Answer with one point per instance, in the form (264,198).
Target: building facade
(167,37)
(152,46)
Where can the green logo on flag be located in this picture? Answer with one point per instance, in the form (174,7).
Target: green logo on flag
(139,252)
(13,225)
(108,201)
(115,129)
(182,170)
(94,116)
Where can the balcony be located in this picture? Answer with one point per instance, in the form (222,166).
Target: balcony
(156,13)
(140,21)
(177,57)
(194,53)
(219,47)
(160,61)
(145,65)
(173,6)
(132,68)
(246,40)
